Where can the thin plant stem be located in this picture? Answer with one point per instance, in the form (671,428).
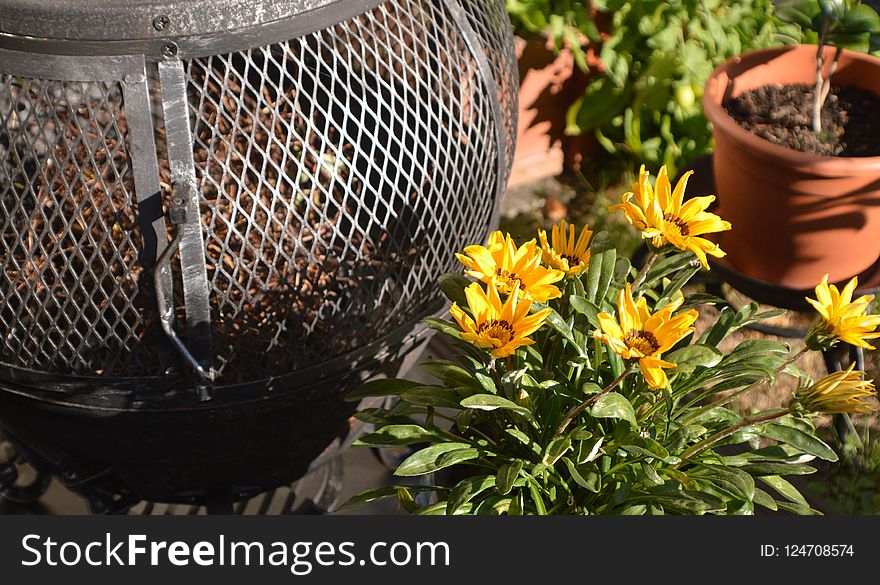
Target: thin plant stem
(570,416)
(643,273)
(720,435)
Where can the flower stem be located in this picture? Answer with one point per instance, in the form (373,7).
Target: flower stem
(570,416)
(643,273)
(708,442)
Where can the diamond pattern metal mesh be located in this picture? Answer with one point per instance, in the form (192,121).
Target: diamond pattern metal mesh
(338,173)
(68,232)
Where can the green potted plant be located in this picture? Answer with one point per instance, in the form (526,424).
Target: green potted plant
(580,386)
(797,153)
(656,58)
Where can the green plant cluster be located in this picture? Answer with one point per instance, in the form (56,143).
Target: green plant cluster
(568,23)
(568,426)
(646,106)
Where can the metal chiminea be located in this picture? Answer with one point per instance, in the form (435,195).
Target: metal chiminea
(218,217)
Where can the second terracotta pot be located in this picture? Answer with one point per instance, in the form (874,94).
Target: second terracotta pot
(795,216)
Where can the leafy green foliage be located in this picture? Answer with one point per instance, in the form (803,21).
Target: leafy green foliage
(568,426)
(646,105)
(848,24)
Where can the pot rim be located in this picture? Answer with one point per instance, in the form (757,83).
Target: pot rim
(817,164)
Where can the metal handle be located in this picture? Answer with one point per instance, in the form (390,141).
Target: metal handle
(166,318)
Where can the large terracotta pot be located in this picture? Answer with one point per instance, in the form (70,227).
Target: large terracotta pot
(795,216)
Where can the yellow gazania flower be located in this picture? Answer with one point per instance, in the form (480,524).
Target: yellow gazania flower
(564,252)
(512,267)
(838,393)
(496,326)
(841,318)
(664,217)
(643,336)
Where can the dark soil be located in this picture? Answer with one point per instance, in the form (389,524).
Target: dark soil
(783,115)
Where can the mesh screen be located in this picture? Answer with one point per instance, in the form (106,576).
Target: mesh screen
(338,172)
(68,234)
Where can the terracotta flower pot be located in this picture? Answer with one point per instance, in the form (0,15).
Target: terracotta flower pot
(550,82)
(795,216)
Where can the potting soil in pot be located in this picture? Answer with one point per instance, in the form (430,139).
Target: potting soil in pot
(782,114)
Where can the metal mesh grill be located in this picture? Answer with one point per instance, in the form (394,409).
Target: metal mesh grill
(68,233)
(326,166)
(337,175)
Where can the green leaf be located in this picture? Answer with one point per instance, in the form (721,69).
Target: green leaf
(451,374)
(798,438)
(491,402)
(506,477)
(603,256)
(614,405)
(737,482)
(785,489)
(466,489)
(556,321)
(535,491)
(762,498)
(375,494)
(770,468)
(585,482)
(556,449)
(431,396)
(426,460)
(689,357)
(395,435)
(452,285)
(586,308)
(383,387)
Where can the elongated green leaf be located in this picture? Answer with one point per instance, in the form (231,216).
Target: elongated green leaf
(734,480)
(585,482)
(762,498)
(467,489)
(556,449)
(798,438)
(451,374)
(452,285)
(395,435)
(561,325)
(689,357)
(383,387)
(769,468)
(614,405)
(586,308)
(431,396)
(380,493)
(603,256)
(535,491)
(426,460)
(506,477)
(494,402)
(785,489)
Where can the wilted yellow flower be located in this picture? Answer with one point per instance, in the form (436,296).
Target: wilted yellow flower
(664,217)
(643,336)
(837,393)
(496,326)
(841,318)
(565,252)
(511,267)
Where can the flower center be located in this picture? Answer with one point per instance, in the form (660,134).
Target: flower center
(642,341)
(681,224)
(507,280)
(572,259)
(500,330)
